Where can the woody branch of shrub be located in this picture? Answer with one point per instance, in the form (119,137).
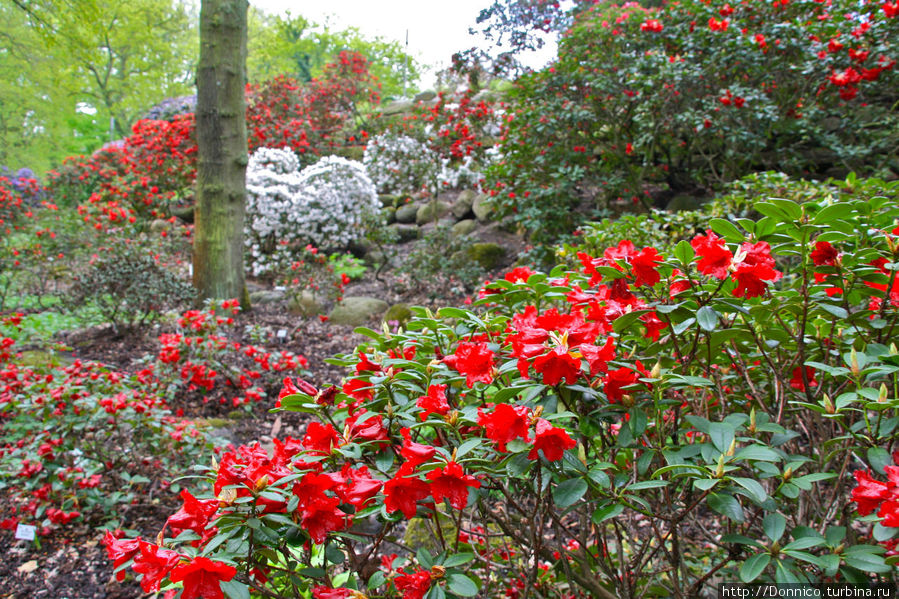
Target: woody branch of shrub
(649,422)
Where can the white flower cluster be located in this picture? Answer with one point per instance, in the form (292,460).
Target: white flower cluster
(324,205)
(400,164)
(467,174)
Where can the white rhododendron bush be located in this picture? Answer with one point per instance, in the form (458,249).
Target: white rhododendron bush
(324,205)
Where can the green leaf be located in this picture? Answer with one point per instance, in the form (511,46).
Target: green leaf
(621,323)
(570,491)
(457,559)
(461,585)
(235,590)
(753,567)
(726,229)
(722,435)
(376,580)
(647,484)
(707,318)
(755,490)
(878,458)
(803,543)
(757,452)
(774,526)
(726,505)
(605,513)
(836,311)
(684,252)
(466,447)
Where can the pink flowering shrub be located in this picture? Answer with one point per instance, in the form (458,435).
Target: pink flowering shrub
(652,421)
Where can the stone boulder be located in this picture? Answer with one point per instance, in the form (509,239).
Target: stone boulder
(406,231)
(482,208)
(464,227)
(463,203)
(433,210)
(357,310)
(407,213)
(488,255)
(304,304)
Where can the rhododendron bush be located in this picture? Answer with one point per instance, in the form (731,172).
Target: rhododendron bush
(644,103)
(326,204)
(647,424)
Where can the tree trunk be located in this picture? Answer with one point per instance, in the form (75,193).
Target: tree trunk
(222,159)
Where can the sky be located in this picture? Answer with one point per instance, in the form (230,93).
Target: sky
(437,28)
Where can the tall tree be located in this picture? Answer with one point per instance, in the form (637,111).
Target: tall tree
(218,270)
(105,57)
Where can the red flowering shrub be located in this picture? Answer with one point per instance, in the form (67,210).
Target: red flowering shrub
(200,361)
(315,118)
(647,103)
(82,442)
(588,432)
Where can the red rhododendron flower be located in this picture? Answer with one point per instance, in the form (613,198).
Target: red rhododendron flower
(434,402)
(519,275)
(474,360)
(194,514)
(797,383)
(415,453)
(452,483)
(322,516)
(154,563)
(756,267)
(358,389)
(869,493)
(413,585)
(714,256)
(645,266)
(329,593)
(320,438)
(598,357)
(616,380)
(504,423)
(551,440)
(362,426)
(558,364)
(824,254)
(404,491)
(202,578)
(358,487)
(120,551)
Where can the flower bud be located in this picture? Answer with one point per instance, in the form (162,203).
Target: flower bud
(853,363)
(732,448)
(752,420)
(828,405)
(788,474)
(882,396)
(354,594)
(719,471)
(227,496)
(437,572)
(656,371)
(262,482)
(581,454)
(627,400)
(452,418)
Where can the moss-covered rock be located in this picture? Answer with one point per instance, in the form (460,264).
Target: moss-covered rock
(463,203)
(482,207)
(304,304)
(405,232)
(399,313)
(406,213)
(432,211)
(488,255)
(464,227)
(357,310)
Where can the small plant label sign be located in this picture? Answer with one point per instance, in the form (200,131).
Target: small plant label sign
(25,532)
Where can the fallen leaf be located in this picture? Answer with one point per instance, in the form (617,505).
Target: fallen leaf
(29,566)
